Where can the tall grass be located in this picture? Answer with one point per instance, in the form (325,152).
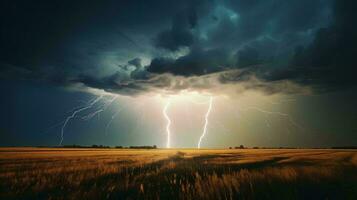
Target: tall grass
(184,174)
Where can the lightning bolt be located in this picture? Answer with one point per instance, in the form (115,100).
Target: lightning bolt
(141,118)
(111,120)
(287,116)
(97,112)
(226,130)
(164,112)
(206,122)
(75,112)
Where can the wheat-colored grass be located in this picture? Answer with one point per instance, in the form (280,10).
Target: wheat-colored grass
(40,173)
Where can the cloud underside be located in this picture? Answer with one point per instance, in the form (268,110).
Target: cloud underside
(228,83)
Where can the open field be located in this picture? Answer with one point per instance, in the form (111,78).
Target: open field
(45,173)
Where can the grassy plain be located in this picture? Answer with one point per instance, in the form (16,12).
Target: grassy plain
(53,173)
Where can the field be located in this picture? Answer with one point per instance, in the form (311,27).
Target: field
(45,173)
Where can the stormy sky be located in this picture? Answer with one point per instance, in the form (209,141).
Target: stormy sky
(283,72)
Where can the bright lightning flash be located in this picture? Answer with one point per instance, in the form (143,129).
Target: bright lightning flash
(168,123)
(206,122)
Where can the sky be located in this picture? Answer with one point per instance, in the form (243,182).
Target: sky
(115,72)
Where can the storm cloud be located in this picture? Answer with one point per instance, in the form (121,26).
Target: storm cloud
(130,47)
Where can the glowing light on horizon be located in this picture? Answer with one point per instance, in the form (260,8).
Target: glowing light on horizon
(170,106)
(206,122)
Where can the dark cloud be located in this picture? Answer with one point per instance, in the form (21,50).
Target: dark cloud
(114,83)
(197,62)
(180,34)
(328,62)
(174,39)
(108,45)
(247,57)
(136,62)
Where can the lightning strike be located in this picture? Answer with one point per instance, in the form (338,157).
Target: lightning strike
(103,108)
(206,122)
(111,120)
(74,113)
(116,114)
(287,116)
(141,118)
(168,123)
(226,130)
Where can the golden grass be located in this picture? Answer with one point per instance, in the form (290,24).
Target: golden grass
(44,173)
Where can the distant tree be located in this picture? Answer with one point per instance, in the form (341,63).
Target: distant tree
(99,146)
(241,146)
(230,147)
(143,147)
(345,147)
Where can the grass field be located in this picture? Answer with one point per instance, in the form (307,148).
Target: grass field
(45,173)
